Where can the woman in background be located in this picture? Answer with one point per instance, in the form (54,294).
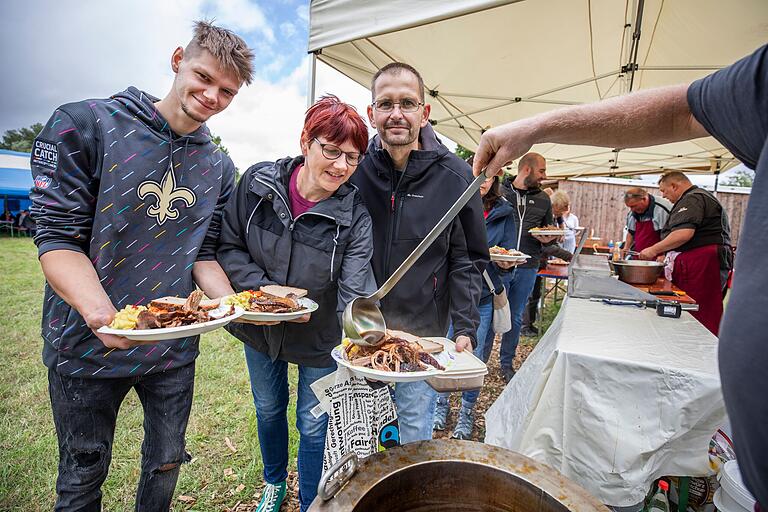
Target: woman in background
(500,228)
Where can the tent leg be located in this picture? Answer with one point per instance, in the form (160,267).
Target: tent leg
(312,76)
(717,179)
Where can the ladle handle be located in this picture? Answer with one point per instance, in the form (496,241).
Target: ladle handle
(431,236)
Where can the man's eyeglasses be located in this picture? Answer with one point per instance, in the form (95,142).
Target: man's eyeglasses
(407,105)
(333,152)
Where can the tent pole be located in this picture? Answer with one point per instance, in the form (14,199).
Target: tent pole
(632,64)
(312,76)
(717,173)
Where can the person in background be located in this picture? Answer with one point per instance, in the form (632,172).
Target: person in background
(24,223)
(500,230)
(297,222)
(669,114)
(7,216)
(408,180)
(646,218)
(561,210)
(560,206)
(697,242)
(137,223)
(531,209)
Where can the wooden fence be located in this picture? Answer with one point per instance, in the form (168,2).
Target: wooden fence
(600,205)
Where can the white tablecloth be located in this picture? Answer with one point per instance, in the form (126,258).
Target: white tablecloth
(614,397)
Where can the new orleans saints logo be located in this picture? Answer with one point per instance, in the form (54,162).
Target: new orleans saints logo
(166,194)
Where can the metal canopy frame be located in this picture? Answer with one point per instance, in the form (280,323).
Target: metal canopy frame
(703,162)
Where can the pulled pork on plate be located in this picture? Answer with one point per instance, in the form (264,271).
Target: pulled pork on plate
(546,228)
(507,252)
(263,302)
(394,354)
(167,312)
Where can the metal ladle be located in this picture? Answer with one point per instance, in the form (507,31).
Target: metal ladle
(362,319)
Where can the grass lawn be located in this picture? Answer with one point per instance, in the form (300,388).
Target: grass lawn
(216,478)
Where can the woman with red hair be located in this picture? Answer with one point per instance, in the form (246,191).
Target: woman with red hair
(297,222)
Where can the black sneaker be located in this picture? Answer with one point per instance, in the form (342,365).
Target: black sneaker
(507,374)
(529,331)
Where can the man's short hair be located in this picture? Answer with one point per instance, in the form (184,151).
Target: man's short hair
(635,194)
(529,160)
(227,47)
(395,68)
(674,176)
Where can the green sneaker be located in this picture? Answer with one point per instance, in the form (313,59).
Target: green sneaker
(272,497)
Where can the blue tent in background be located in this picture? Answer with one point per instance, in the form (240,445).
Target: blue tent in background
(15,181)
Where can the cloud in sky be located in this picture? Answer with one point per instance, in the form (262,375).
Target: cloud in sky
(92,49)
(240,16)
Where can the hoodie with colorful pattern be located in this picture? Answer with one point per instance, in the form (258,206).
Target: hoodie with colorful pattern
(114,182)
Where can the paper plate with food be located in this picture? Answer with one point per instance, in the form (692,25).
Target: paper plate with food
(273,303)
(169,318)
(502,254)
(547,231)
(401,357)
(557,261)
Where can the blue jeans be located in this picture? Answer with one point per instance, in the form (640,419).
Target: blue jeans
(519,288)
(269,385)
(85,413)
(483,349)
(415,402)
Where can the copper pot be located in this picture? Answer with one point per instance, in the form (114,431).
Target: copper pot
(446,476)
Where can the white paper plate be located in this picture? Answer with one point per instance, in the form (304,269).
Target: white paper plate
(549,232)
(308,306)
(458,364)
(170,333)
(509,257)
(340,356)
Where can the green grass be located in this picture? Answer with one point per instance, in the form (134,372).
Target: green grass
(222,408)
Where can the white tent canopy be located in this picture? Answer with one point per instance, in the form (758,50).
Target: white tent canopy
(485,63)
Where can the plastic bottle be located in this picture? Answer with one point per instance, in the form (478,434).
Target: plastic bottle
(660,500)
(616,254)
(610,249)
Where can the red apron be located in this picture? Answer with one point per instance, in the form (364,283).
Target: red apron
(645,235)
(697,272)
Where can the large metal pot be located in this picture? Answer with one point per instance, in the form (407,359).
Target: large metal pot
(446,476)
(638,271)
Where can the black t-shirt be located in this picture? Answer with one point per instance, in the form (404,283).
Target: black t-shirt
(698,209)
(732,104)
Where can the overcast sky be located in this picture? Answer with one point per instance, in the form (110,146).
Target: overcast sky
(55,52)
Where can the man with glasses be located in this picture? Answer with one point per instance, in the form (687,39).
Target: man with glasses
(646,218)
(408,180)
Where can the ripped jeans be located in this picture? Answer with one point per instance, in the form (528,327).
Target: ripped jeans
(85,412)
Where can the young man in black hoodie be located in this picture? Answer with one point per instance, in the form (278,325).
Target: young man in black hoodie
(408,180)
(532,209)
(128,197)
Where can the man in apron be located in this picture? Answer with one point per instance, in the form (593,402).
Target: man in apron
(696,239)
(647,216)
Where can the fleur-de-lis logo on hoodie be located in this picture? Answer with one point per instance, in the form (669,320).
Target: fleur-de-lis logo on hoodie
(166,193)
